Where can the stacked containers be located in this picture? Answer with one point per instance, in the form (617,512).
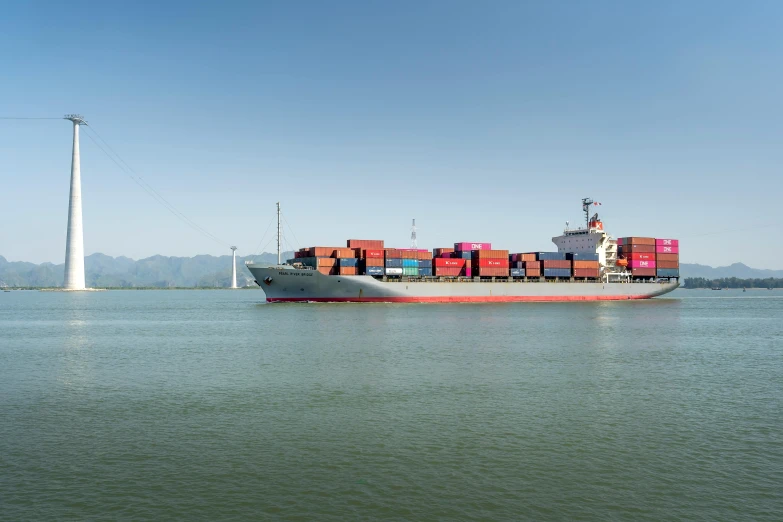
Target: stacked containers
(371,262)
(529,262)
(584,265)
(640,253)
(393,262)
(443,252)
(667,257)
(444,267)
(552,264)
(489,263)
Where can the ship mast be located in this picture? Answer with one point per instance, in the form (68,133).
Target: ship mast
(586,202)
(279,232)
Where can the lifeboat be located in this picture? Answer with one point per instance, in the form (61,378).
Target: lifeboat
(622,262)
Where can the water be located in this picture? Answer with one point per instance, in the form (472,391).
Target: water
(207,405)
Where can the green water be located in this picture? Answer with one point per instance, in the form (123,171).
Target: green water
(207,405)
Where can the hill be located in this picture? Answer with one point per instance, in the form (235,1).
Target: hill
(103,271)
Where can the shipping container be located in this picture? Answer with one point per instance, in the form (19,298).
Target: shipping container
(586,265)
(374,270)
(317,262)
(376,253)
(640,256)
(365,243)
(549,256)
(438,252)
(410,263)
(410,271)
(664,249)
(516,272)
(393,263)
(557,272)
(582,256)
(490,263)
(532,272)
(425,272)
(347,261)
(425,263)
(347,270)
(643,272)
(322,251)
(454,263)
(619,241)
(592,273)
(391,271)
(343,253)
(534,265)
(372,261)
(468,271)
(447,271)
(393,252)
(559,263)
(668,257)
(667,264)
(668,272)
(523,257)
(638,240)
(636,263)
(472,246)
(490,272)
(490,254)
(631,248)
(327,270)
(463,255)
(667,242)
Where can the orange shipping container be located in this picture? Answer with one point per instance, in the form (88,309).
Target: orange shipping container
(638,241)
(345,253)
(535,265)
(365,243)
(667,264)
(373,261)
(490,254)
(638,247)
(424,255)
(556,263)
(491,272)
(328,270)
(347,270)
(668,257)
(532,272)
(323,251)
(585,265)
(586,272)
(393,253)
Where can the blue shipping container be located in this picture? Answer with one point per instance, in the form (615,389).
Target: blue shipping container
(557,272)
(668,272)
(465,254)
(582,256)
(517,272)
(393,262)
(550,256)
(425,263)
(374,270)
(425,271)
(410,263)
(348,261)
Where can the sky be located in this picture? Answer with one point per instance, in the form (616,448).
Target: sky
(485,121)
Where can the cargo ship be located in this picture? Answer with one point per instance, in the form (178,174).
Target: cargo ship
(589,265)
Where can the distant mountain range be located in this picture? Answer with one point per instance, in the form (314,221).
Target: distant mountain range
(209,271)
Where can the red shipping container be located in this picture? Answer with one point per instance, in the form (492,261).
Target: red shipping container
(447,271)
(365,243)
(556,263)
(667,242)
(668,257)
(373,261)
(619,241)
(491,263)
(393,253)
(461,247)
(586,272)
(367,253)
(535,265)
(322,251)
(664,249)
(640,256)
(667,264)
(643,272)
(454,263)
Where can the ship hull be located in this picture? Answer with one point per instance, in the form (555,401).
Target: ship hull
(282,284)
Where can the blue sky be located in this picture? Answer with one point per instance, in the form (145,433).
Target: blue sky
(484,121)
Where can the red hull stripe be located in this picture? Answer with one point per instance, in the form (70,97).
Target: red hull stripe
(461,299)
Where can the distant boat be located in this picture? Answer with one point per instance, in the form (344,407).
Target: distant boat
(743,289)
(717,288)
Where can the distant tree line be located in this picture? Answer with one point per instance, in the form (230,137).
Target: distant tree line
(733,282)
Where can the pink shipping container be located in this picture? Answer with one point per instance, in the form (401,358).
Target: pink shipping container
(472,246)
(663,249)
(638,263)
(667,242)
(468,271)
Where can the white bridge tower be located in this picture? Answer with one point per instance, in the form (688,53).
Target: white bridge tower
(74,244)
(233,267)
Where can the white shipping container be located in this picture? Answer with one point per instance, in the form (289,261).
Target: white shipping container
(393,271)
